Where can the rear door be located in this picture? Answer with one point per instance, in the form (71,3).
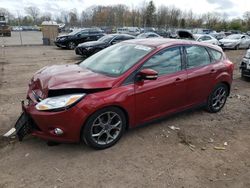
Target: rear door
(200,72)
(166,94)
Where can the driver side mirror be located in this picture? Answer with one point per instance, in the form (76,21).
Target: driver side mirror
(148,74)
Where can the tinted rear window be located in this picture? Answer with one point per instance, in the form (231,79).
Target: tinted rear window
(197,56)
(216,55)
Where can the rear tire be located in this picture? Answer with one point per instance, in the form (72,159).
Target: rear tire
(217,98)
(104,128)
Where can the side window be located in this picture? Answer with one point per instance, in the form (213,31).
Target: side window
(207,38)
(165,62)
(216,55)
(202,38)
(84,33)
(117,39)
(152,35)
(197,56)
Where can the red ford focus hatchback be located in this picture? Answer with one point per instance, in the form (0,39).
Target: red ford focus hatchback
(123,86)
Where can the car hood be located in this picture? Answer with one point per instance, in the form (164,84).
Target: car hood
(229,40)
(61,36)
(91,44)
(59,77)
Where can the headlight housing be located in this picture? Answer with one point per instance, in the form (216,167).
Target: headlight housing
(59,102)
(89,48)
(62,38)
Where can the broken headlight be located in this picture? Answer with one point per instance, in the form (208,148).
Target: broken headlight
(55,103)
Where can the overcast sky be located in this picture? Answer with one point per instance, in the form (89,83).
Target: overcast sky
(232,8)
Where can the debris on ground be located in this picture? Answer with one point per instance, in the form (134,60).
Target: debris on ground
(173,128)
(27,155)
(219,148)
(211,140)
(225,144)
(56,169)
(191,147)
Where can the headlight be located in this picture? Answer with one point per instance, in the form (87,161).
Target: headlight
(63,38)
(63,101)
(89,48)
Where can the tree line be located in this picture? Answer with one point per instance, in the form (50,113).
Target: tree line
(146,15)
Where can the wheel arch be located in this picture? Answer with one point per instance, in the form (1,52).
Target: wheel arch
(228,86)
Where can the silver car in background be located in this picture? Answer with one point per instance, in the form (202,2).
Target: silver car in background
(206,39)
(235,41)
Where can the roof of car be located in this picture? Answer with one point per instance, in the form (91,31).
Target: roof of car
(122,34)
(164,42)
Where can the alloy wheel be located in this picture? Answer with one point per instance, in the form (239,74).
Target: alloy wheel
(106,128)
(71,45)
(219,98)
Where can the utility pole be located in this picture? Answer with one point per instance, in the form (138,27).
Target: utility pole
(19,28)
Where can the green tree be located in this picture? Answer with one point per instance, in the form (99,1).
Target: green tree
(150,14)
(236,24)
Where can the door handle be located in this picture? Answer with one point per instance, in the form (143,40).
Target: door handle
(178,80)
(212,71)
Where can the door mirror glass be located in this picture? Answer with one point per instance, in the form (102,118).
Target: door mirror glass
(148,74)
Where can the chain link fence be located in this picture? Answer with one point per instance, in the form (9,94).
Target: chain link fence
(19,38)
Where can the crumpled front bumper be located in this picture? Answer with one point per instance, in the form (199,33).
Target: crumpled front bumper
(43,124)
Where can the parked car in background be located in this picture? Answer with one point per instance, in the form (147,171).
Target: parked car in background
(123,86)
(218,36)
(245,65)
(129,30)
(76,37)
(90,48)
(248,33)
(148,35)
(147,29)
(202,31)
(163,33)
(235,41)
(206,39)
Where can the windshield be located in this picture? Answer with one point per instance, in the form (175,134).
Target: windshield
(143,35)
(106,38)
(233,37)
(196,37)
(117,59)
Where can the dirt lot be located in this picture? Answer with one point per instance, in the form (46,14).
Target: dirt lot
(149,156)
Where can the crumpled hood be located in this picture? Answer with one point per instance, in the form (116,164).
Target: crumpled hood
(68,77)
(91,44)
(229,40)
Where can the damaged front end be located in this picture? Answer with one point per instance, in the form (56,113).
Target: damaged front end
(55,117)
(23,126)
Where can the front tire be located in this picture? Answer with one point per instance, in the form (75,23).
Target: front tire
(217,98)
(104,128)
(71,45)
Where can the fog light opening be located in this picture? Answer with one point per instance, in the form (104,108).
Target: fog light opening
(58,131)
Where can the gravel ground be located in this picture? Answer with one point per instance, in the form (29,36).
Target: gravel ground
(148,156)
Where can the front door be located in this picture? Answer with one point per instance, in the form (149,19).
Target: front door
(167,93)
